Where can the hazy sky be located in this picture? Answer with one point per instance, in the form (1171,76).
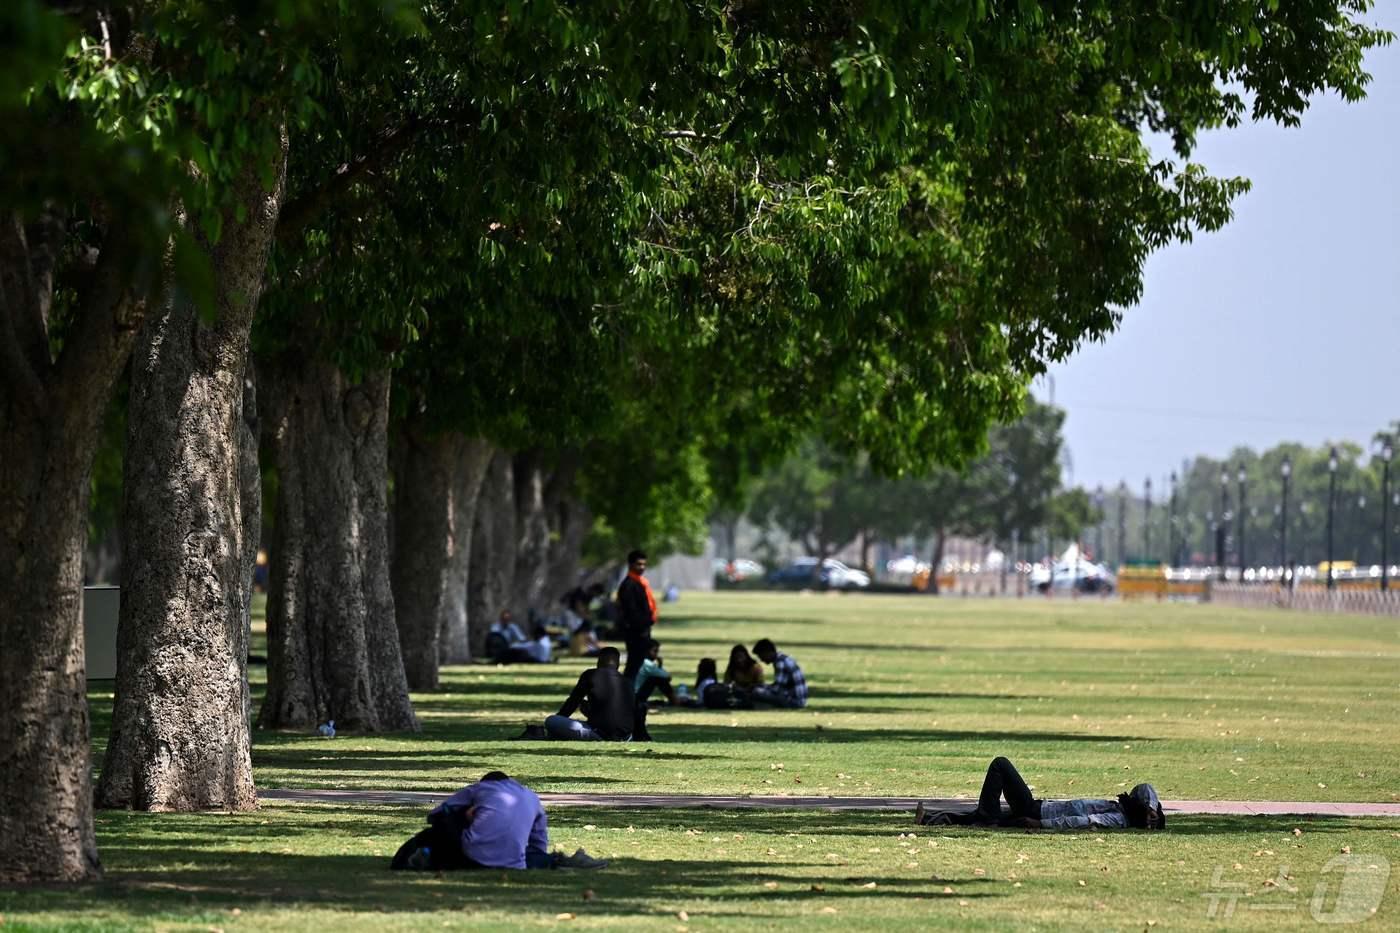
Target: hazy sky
(1283,326)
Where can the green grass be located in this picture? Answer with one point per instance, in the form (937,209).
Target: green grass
(910,696)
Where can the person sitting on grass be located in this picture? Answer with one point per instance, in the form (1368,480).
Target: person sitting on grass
(583,643)
(653,676)
(1139,808)
(503,634)
(607,700)
(536,650)
(743,671)
(789,686)
(494,823)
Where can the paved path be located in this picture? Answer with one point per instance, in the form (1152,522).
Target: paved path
(697,801)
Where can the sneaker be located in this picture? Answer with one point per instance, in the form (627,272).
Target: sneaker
(581,859)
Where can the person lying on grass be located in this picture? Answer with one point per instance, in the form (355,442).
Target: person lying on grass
(494,823)
(1139,808)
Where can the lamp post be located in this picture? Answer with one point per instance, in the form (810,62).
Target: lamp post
(1171,523)
(1210,531)
(1239,545)
(1098,531)
(1147,519)
(1224,522)
(1122,521)
(1286,470)
(1331,508)
(1386,453)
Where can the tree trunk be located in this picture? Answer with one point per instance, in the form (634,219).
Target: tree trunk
(940,539)
(180,738)
(435,491)
(572,521)
(333,650)
(51,413)
(532,534)
(492,556)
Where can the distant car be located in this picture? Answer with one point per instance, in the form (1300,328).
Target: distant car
(741,568)
(831,574)
(1082,576)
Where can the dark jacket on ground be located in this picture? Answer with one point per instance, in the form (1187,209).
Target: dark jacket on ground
(607,701)
(634,615)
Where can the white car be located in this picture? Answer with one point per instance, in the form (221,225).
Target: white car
(1082,575)
(833,575)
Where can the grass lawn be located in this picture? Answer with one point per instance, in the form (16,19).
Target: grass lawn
(910,696)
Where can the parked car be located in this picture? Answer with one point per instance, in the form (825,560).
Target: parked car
(1083,576)
(831,574)
(741,568)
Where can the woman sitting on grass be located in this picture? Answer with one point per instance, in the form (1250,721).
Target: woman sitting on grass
(743,670)
(1139,809)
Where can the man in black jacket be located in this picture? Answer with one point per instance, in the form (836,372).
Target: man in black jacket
(636,613)
(607,701)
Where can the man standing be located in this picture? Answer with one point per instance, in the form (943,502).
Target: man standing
(789,686)
(607,700)
(636,610)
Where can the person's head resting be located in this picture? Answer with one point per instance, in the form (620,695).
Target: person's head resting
(495,776)
(653,649)
(706,670)
(637,562)
(505,617)
(765,650)
(1142,808)
(609,658)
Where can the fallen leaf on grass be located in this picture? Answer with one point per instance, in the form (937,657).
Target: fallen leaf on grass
(828,910)
(979,871)
(1346,850)
(589,826)
(1081,884)
(771,885)
(564,916)
(947,890)
(818,888)
(1297,831)
(869,884)
(683,916)
(962,903)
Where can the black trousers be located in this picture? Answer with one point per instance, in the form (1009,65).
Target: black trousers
(636,651)
(1003,780)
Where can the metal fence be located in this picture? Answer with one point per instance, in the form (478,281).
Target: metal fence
(1308,598)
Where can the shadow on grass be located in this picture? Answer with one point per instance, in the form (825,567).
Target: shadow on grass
(668,731)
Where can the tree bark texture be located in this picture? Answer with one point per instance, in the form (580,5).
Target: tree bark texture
(333,650)
(51,411)
(492,556)
(190,523)
(436,483)
(532,534)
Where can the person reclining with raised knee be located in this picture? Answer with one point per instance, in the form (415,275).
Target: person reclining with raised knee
(606,699)
(495,823)
(1138,809)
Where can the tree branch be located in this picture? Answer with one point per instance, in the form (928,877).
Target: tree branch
(389,143)
(22,326)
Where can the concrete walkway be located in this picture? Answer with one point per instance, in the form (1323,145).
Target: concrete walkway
(697,801)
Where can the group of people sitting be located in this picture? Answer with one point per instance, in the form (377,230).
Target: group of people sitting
(614,706)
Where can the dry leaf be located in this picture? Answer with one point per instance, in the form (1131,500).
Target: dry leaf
(947,890)
(818,888)
(564,916)
(1081,884)
(828,910)
(682,916)
(589,826)
(1297,831)
(1346,850)
(962,903)
(979,871)
(771,885)
(869,884)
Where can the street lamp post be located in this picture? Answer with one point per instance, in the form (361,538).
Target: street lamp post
(1286,470)
(1224,522)
(1331,508)
(1210,531)
(1147,519)
(1171,523)
(1122,521)
(1386,453)
(1098,530)
(1239,545)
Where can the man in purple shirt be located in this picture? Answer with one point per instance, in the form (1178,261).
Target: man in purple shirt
(495,823)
